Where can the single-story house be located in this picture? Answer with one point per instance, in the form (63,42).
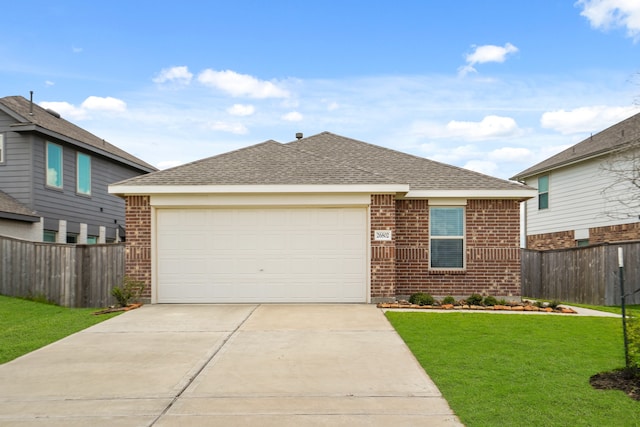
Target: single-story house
(321,219)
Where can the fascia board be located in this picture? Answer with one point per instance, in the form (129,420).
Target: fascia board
(228,189)
(520,194)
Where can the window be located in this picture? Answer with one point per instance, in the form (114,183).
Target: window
(83,179)
(446,237)
(72,238)
(49,236)
(92,240)
(54,165)
(1,148)
(543,192)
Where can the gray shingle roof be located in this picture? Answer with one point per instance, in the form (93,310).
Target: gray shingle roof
(21,109)
(420,173)
(268,163)
(616,136)
(11,208)
(323,159)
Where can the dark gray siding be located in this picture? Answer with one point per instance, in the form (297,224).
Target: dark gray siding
(98,209)
(15,171)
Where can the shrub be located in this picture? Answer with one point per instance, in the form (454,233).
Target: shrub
(490,301)
(502,301)
(448,300)
(554,304)
(474,299)
(421,298)
(129,292)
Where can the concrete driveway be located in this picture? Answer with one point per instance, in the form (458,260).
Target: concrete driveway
(228,365)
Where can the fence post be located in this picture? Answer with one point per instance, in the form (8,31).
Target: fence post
(623,305)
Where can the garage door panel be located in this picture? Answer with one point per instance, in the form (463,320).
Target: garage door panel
(262,255)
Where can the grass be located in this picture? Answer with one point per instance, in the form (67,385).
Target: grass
(508,370)
(28,325)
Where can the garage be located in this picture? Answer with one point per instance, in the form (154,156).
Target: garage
(265,254)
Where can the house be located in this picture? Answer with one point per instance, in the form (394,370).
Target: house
(585,195)
(54,177)
(321,219)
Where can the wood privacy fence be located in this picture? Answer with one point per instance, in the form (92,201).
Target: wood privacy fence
(586,275)
(68,275)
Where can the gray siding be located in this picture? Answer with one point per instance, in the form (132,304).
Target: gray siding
(23,177)
(98,209)
(15,171)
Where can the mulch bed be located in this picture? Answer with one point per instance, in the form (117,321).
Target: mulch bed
(624,380)
(516,307)
(116,309)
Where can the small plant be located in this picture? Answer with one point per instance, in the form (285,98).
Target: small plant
(554,304)
(502,301)
(448,300)
(490,301)
(474,299)
(540,304)
(420,298)
(129,292)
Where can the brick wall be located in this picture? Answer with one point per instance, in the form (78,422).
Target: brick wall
(615,233)
(138,241)
(547,241)
(492,251)
(383,253)
(566,239)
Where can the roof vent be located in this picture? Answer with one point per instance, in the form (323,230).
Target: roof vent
(298,135)
(53,113)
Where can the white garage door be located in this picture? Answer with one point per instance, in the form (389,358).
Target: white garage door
(261,255)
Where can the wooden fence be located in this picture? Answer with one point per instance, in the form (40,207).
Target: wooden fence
(587,275)
(68,275)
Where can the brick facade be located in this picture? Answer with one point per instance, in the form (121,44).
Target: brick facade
(401,266)
(138,241)
(566,239)
(492,251)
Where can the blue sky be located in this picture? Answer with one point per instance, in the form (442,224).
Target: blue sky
(494,85)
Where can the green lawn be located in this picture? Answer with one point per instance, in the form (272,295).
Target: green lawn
(28,325)
(516,370)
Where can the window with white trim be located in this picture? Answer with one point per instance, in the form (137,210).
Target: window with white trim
(446,237)
(83,174)
(1,148)
(543,192)
(54,165)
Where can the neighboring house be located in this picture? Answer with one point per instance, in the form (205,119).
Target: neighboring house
(321,219)
(54,177)
(584,196)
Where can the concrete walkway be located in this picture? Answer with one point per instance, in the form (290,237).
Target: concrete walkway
(195,365)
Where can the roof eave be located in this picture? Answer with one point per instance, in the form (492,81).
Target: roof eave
(19,217)
(513,194)
(125,190)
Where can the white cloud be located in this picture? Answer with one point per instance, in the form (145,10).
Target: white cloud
(488,127)
(49,83)
(241,110)
(237,84)
(482,166)
(65,109)
(585,119)
(234,128)
(293,116)
(76,49)
(486,53)
(104,104)
(180,75)
(92,103)
(606,14)
(510,154)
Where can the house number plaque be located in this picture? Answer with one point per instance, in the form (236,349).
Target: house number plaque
(382,235)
